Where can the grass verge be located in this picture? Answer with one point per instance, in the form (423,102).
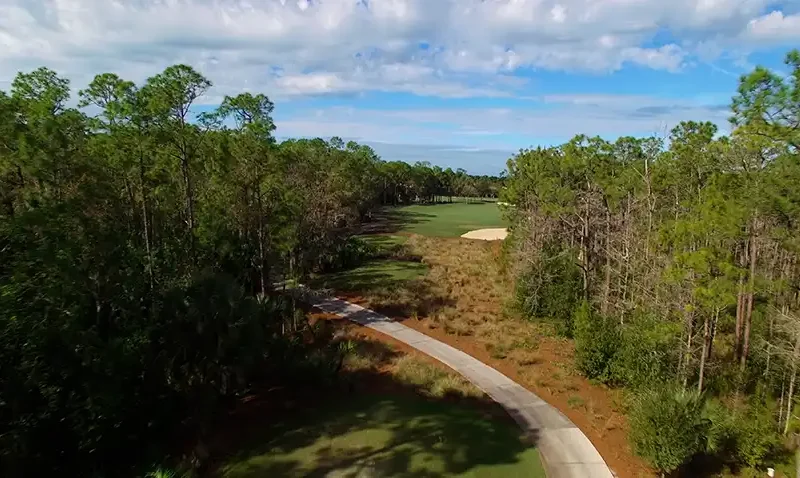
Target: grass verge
(404,415)
(388,436)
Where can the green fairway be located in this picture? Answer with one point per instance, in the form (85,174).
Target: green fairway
(435,220)
(372,275)
(368,436)
(449,220)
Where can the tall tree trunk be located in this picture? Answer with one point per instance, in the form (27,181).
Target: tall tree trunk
(792,378)
(790,395)
(780,402)
(687,355)
(748,314)
(737,348)
(713,335)
(261,253)
(187,182)
(146,219)
(706,337)
(584,251)
(607,277)
(626,263)
(708,340)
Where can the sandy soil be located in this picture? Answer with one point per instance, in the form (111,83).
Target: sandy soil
(492,234)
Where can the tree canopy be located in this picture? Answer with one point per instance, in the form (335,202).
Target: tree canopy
(139,242)
(688,246)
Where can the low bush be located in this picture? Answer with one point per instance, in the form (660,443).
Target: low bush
(597,340)
(646,354)
(550,289)
(668,427)
(350,252)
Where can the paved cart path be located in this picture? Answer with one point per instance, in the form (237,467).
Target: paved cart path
(566,452)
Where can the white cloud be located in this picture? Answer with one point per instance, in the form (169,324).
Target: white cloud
(295,47)
(775,26)
(314,83)
(668,57)
(549,119)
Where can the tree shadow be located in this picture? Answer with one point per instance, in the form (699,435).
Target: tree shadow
(397,289)
(391,220)
(371,276)
(368,424)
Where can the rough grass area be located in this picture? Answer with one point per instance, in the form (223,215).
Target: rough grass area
(410,369)
(449,220)
(369,436)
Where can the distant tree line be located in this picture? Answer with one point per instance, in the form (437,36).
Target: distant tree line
(138,248)
(403,183)
(676,268)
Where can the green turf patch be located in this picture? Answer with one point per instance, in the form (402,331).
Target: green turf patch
(370,276)
(368,436)
(385,241)
(449,220)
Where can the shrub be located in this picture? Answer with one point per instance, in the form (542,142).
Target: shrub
(596,342)
(743,436)
(668,427)
(646,353)
(757,439)
(721,436)
(550,289)
(348,253)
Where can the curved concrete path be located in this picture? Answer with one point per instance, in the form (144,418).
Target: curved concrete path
(566,452)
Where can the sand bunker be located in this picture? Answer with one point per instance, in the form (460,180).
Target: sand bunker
(495,234)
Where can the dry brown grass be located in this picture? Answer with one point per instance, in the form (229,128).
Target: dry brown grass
(409,368)
(436,381)
(463,294)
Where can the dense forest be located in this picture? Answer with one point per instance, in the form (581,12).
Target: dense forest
(139,242)
(674,263)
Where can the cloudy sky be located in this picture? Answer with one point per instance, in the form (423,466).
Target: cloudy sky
(457,82)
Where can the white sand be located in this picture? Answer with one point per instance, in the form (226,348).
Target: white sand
(495,234)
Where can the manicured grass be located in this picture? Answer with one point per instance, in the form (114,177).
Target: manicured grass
(376,436)
(377,274)
(385,241)
(449,220)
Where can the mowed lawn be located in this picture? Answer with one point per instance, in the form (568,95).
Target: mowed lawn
(379,273)
(377,436)
(450,220)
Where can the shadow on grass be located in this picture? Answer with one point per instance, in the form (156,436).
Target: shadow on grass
(397,289)
(392,219)
(376,274)
(371,425)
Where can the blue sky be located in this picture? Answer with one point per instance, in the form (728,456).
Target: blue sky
(461,83)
